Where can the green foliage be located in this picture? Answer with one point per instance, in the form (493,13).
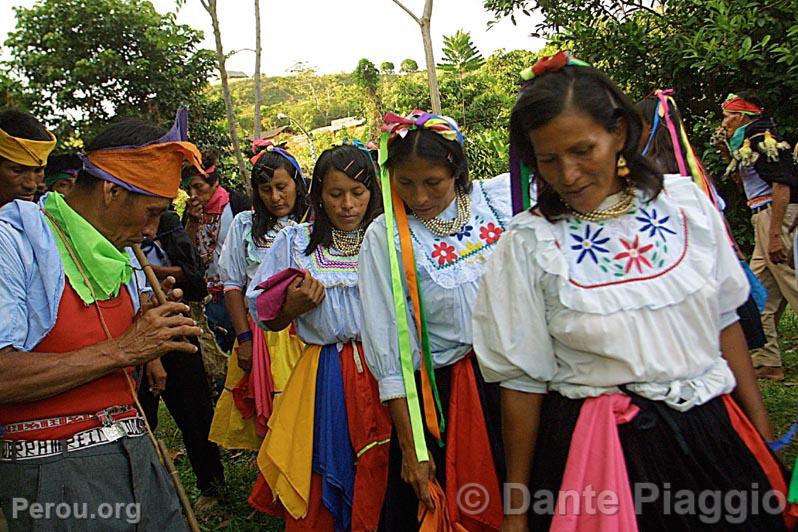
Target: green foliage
(87,61)
(487,151)
(366,75)
(408,66)
(387,67)
(460,55)
(702,48)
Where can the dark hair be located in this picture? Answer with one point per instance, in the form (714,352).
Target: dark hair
(209,159)
(356,164)
(61,162)
(433,147)
(592,92)
(263,172)
(128,132)
(22,125)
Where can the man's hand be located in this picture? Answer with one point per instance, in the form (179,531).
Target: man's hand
(156,332)
(303,295)
(156,376)
(245,356)
(776,251)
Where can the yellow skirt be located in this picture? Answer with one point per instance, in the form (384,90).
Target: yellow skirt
(228,428)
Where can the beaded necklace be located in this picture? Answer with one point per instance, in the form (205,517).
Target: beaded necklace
(440,227)
(347,242)
(620,207)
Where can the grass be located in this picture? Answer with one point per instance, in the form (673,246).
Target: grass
(240,471)
(233,512)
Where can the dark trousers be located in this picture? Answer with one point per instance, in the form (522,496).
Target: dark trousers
(188,399)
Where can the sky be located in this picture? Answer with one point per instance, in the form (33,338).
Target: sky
(333,35)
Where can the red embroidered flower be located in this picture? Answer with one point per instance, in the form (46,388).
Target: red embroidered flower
(635,254)
(445,253)
(490,233)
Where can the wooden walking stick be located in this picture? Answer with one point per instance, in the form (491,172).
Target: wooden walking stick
(160,446)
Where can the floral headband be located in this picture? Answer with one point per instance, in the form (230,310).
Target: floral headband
(396,125)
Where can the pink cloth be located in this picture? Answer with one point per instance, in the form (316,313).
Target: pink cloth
(595,476)
(270,301)
(217,202)
(262,380)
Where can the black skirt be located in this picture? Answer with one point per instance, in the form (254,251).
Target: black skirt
(687,470)
(400,509)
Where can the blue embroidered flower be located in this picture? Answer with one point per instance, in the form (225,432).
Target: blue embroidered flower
(466,232)
(653,225)
(589,244)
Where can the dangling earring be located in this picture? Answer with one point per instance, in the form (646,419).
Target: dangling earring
(623,168)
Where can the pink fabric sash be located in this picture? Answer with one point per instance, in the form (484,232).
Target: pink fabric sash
(270,301)
(262,380)
(595,465)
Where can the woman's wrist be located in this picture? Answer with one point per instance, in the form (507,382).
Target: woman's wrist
(245,336)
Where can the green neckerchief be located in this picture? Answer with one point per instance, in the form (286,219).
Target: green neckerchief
(106,267)
(738,137)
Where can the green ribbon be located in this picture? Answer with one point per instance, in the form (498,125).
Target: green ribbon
(792,493)
(525,183)
(106,267)
(400,306)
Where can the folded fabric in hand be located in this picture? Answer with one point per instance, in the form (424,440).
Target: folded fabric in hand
(270,301)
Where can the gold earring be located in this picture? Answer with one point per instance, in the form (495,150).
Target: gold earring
(623,168)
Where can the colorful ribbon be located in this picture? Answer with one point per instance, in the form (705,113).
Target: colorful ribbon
(551,63)
(688,162)
(395,217)
(394,124)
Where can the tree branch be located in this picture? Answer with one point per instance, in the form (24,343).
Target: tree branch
(400,4)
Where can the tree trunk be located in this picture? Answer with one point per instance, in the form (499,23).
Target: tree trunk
(210,7)
(257,132)
(432,74)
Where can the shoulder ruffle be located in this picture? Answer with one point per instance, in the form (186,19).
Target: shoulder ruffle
(605,268)
(459,259)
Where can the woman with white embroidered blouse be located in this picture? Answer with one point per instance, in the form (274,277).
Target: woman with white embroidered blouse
(278,202)
(607,313)
(454,227)
(323,461)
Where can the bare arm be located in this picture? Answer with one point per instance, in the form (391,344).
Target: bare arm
(747,394)
(26,377)
(417,474)
(520,426)
(237,310)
